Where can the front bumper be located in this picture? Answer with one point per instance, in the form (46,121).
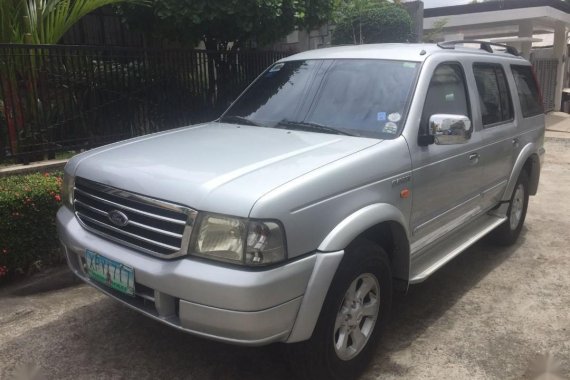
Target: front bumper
(248,307)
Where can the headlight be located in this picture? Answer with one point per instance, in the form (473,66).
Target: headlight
(239,241)
(67,190)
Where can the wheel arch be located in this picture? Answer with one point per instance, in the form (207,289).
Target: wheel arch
(380,223)
(529,161)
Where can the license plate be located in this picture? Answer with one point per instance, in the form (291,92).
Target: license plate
(110,273)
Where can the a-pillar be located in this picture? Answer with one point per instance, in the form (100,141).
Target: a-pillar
(560,38)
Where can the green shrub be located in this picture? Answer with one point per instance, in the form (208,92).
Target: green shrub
(381,23)
(28,238)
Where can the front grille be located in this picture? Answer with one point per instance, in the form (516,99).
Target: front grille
(156,227)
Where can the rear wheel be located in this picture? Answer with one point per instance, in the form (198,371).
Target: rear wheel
(355,311)
(508,232)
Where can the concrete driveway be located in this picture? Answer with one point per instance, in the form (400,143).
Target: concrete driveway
(490,314)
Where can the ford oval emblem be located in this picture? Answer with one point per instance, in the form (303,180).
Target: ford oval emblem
(118,218)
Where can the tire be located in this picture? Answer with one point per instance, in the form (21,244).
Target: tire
(365,265)
(508,232)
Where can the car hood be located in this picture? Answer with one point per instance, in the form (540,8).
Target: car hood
(214,167)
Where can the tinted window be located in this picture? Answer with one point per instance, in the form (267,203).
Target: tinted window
(494,95)
(363,97)
(278,94)
(528,91)
(368,97)
(446,94)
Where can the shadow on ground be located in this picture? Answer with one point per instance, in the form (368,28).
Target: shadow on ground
(51,280)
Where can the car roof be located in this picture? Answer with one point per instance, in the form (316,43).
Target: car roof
(400,52)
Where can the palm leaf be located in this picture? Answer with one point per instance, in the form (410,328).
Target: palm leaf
(11,12)
(47,20)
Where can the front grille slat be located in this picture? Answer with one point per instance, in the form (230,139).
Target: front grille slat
(131,222)
(155,227)
(111,203)
(157,230)
(118,230)
(96,210)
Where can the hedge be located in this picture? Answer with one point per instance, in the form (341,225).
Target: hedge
(383,23)
(28,237)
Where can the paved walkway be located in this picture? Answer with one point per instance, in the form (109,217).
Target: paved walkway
(558,125)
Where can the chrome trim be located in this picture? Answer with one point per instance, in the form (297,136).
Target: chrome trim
(136,224)
(126,243)
(177,251)
(94,209)
(154,229)
(111,203)
(134,196)
(131,235)
(450,129)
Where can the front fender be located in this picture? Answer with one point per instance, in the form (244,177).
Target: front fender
(329,257)
(358,222)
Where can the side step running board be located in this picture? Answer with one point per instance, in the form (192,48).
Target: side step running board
(424,264)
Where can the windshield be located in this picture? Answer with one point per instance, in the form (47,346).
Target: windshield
(360,97)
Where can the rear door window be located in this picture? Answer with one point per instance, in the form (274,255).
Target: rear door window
(494,95)
(527,88)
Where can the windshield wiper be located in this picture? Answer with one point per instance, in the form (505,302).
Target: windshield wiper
(307,126)
(240,120)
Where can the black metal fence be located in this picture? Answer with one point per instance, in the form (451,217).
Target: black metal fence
(60,98)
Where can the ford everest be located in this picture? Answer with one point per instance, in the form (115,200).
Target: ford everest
(337,177)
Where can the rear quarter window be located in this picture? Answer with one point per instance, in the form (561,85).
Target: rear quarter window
(527,88)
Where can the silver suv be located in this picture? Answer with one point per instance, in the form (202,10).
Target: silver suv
(337,177)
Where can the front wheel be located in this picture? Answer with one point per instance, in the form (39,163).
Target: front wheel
(355,311)
(508,232)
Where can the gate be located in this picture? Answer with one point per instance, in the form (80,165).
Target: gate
(546,74)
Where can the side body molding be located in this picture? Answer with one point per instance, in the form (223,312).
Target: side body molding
(527,152)
(360,221)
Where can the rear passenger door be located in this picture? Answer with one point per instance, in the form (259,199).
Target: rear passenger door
(498,125)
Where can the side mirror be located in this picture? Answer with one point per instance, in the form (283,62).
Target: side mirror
(449,129)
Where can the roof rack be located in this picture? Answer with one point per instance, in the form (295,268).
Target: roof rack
(483,45)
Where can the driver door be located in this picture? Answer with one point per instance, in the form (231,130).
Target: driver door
(446,178)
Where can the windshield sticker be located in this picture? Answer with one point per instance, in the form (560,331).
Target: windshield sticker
(276,68)
(409,65)
(450,97)
(395,117)
(390,127)
(381,116)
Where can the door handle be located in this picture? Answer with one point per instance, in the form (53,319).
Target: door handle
(473,156)
(516,142)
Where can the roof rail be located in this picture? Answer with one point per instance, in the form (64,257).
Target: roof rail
(483,45)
